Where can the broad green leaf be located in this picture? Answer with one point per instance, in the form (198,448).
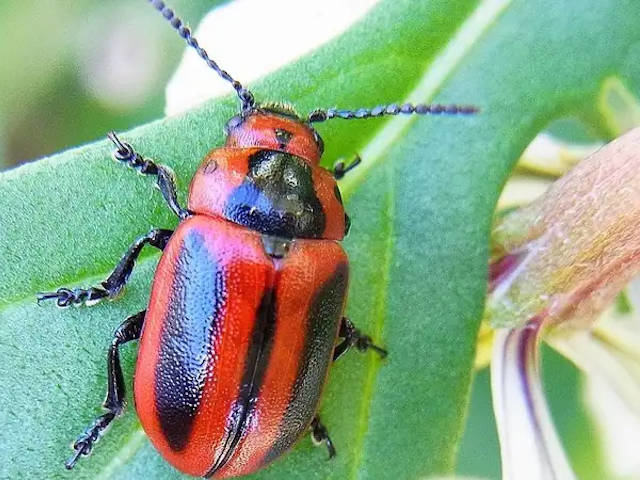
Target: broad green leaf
(421,205)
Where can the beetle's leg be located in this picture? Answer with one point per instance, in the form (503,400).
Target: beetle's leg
(113,284)
(340,168)
(319,435)
(165,178)
(129,330)
(354,337)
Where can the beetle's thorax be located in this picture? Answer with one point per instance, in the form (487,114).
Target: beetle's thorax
(267,178)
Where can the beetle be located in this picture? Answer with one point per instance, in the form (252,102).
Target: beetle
(246,310)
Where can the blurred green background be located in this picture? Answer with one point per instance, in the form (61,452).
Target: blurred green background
(72,71)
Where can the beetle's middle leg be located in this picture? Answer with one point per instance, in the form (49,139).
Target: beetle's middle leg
(116,281)
(354,337)
(165,178)
(128,330)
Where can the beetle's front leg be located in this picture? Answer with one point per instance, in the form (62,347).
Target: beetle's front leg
(354,337)
(112,286)
(129,330)
(165,178)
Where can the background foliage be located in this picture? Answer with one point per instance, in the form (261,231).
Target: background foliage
(422,206)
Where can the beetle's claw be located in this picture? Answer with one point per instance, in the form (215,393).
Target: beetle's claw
(380,351)
(64,297)
(365,343)
(81,449)
(42,296)
(78,296)
(331,449)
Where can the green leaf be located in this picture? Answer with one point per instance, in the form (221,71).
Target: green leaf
(421,206)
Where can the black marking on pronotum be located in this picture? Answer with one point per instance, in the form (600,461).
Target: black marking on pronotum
(322,323)
(191,320)
(255,368)
(283,137)
(277,197)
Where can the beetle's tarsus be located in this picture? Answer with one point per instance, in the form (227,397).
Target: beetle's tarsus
(354,337)
(69,464)
(66,297)
(165,178)
(340,168)
(380,351)
(115,283)
(320,435)
(128,330)
(85,442)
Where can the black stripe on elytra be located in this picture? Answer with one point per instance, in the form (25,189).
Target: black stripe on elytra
(197,297)
(277,197)
(325,314)
(255,368)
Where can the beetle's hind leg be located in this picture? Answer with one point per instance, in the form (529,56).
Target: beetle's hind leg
(354,337)
(129,330)
(320,435)
(113,285)
(165,178)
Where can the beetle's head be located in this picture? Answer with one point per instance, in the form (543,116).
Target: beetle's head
(275,127)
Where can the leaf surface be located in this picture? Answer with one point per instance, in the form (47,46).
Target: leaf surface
(421,206)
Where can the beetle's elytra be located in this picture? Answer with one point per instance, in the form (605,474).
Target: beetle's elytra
(246,311)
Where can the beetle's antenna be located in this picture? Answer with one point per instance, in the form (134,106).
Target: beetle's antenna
(320,115)
(245,96)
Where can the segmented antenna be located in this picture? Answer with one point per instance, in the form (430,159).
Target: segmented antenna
(245,96)
(320,115)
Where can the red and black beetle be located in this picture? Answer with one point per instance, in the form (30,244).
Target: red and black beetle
(246,311)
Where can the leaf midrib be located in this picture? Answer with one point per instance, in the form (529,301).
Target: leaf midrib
(373,363)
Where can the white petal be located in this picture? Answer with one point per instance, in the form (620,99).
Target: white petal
(521,190)
(610,356)
(551,156)
(529,446)
(250,38)
(618,427)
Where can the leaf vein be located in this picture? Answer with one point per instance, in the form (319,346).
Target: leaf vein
(373,363)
